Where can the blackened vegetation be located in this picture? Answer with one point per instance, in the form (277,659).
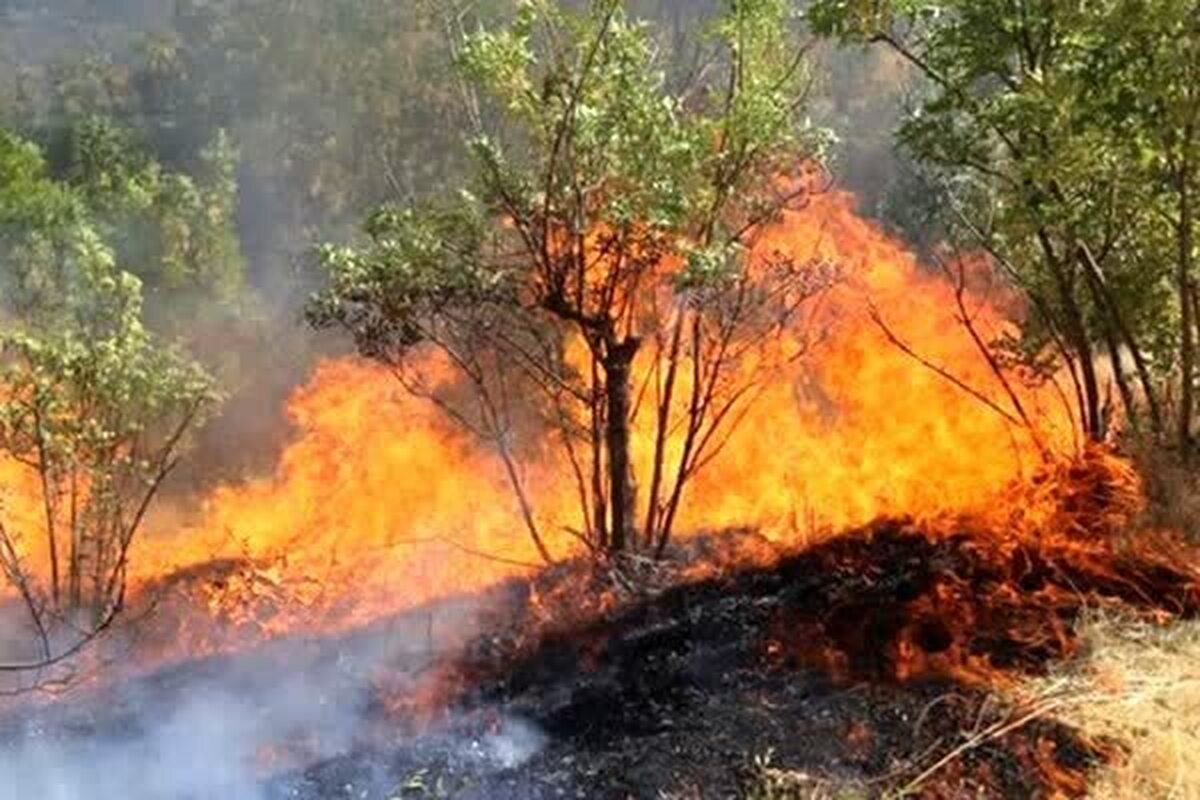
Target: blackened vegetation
(859,662)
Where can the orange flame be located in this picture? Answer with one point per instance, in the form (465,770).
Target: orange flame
(380,503)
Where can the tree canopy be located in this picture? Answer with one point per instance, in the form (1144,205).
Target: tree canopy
(94,405)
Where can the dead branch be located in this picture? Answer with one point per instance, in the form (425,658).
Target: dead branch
(967,319)
(995,731)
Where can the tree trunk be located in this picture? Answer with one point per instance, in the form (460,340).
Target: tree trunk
(1127,399)
(1187,350)
(617,383)
(1092,421)
(599,496)
(1075,331)
(1105,300)
(663,423)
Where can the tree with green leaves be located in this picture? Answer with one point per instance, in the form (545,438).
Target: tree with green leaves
(1145,75)
(335,105)
(608,227)
(91,403)
(1063,136)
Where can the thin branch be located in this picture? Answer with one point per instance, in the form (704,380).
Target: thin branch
(877,318)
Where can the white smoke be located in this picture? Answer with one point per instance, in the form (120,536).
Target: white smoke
(206,747)
(201,731)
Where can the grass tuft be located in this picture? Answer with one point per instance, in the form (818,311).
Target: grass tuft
(1137,685)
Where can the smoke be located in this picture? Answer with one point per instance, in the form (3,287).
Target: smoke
(515,742)
(204,747)
(201,749)
(245,727)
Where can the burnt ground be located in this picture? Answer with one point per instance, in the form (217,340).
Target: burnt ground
(864,666)
(860,663)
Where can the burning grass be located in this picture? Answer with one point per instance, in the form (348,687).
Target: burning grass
(911,640)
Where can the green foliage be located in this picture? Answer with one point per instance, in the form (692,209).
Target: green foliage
(174,231)
(600,145)
(28,193)
(595,143)
(1064,135)
(420,264)
(91,400)
(625,131)
(41,230)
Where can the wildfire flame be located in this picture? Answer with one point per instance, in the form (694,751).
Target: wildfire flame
(380,503)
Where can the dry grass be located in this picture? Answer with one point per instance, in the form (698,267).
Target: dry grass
(1139,686)
(1136,688)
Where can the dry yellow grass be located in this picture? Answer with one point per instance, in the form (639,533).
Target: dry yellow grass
(1138,684)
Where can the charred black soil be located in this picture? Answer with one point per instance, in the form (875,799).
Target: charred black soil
(860,663)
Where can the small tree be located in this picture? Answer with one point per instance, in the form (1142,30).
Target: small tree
(606,239)
(91,403)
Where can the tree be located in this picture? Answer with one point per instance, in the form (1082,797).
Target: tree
(1146,74)
(1026,119)
(93,405)
(605,241)
(175,230)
